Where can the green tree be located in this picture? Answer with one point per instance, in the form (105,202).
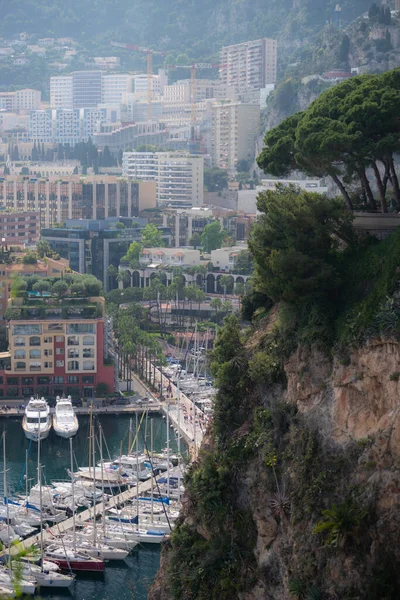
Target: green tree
(18,286)
(243,166)
(133,255)
(296,244)
(243,263)
(43,248)
(30,258)
(59,288)
(35,153)
(195,240)
(152,237)
(41,286)
(215,180)
(226,282)
(212,236)
(216,304)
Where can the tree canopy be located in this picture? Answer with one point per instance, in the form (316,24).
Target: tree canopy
(152,237)
(350,133)
(295,243)
(212,236)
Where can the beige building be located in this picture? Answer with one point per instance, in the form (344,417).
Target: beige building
(233,132)
(61,91)
(250,65)
(76,197)
(178,175)
(21,100)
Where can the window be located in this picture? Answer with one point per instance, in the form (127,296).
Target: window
(20,354)
(58,379)
(73,353)
(48,340)
(73,365)
(59,363)
(73,379)
(34,341)
(88,340)
(43,380)
(59,338)
(35,365)
(59,351)
(55,327)
(88,353)
(1,380)
(12,380)
(88,379)
(48,365)
(73,341)
(28,391)
(27,329)
(80,328)
(27,381)
(88,365)
(20,366)
(19,341)
(35,354)
(48,352)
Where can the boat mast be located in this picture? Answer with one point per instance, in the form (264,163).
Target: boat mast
(94,490)
(90,436)
(102,480)
(40,497)
(130,436)
(137,470)
(168,490)
(152,471)
(26,480)
(73,494)
(5,497)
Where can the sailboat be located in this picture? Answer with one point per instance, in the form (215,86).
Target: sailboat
(45,578)
(65,421)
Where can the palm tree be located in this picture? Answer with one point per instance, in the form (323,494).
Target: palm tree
(226,281)
(216,304)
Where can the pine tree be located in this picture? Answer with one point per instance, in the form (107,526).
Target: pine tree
(35,153)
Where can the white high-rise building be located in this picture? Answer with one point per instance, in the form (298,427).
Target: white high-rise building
(114,86)
(233,132)
(61,91)
(179,176)
(250,65)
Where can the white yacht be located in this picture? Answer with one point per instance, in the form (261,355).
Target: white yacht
(65,421)
(130,466)
(37,420)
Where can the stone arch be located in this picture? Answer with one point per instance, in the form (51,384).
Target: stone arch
(210,284)
(239,279)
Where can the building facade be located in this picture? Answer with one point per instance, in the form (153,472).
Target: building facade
(234,130)
(86,89)
(75,197)
(61,91)
(65,126)
(62,351)
(92,246)
(179,176)
(19,228)
(249,65)
(21,100)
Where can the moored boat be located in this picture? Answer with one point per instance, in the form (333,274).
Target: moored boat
(65,421)
(67,558)
(37,420)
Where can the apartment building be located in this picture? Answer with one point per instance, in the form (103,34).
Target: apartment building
(21,100)
(122,136)
(114,86)
(57,350)
(179,176)
(86,89)
(234,129)
(74,197)
(61,91)
(249,65)
(48,268)
(65,126)
(19,228)
(92,246)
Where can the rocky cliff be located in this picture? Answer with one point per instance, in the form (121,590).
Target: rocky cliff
(313,488)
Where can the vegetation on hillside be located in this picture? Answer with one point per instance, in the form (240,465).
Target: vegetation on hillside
(348,130)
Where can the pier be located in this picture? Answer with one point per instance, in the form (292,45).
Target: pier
(80,519)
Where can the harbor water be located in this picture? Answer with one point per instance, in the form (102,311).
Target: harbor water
(123,581)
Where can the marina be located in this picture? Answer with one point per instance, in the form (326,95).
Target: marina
(138,569)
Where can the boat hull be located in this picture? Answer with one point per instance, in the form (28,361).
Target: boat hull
(78,565)
(65,432)
(34,434)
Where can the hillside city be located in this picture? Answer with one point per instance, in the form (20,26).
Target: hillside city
(200,299)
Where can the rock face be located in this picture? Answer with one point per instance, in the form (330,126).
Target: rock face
(345,441)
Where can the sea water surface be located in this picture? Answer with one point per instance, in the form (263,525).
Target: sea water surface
(122,580)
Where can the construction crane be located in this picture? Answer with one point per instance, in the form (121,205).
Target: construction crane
(149,53)
(193,86)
